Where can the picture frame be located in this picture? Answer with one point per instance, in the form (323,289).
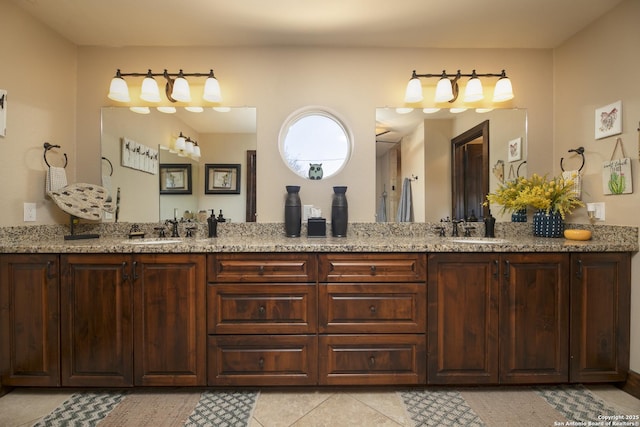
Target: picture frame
(514,150)
(222,178)
(175,178)
(608,120)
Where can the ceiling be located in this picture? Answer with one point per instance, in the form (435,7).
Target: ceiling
(339,23)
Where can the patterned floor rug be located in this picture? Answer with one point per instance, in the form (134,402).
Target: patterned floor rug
(167,408)
(448,407)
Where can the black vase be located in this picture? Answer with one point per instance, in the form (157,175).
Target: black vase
(339,212)
(292,211)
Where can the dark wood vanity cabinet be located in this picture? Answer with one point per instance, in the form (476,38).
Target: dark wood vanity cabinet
(498,318)
(372,319)
(133,320)
(262,319)
(29,315)
(600,316)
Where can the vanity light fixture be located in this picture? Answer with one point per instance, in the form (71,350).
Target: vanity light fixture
(184,146)
(176,89)
(447,89)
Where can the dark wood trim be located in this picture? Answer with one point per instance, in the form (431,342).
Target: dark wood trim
(632,385)
(251,186)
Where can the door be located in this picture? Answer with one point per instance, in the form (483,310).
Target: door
(534,318)
(170,319)
(463,318)
(97,334)
(29,312)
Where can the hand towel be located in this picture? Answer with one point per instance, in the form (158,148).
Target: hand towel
(405,209)
(56,179)
(576,176)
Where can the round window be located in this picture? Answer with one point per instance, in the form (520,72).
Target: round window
(314,143)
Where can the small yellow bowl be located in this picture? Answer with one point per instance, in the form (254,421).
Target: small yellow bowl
(577,234)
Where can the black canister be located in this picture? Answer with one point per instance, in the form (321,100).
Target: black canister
(292,211)
(213,225)
(339,212)
(489,226)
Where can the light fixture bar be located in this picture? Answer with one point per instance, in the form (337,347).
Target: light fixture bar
(177,87)
(447,89)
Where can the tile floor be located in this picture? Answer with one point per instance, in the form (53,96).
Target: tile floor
(300,408)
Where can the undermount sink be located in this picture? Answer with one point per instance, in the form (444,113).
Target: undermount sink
(152,242)
(476,241)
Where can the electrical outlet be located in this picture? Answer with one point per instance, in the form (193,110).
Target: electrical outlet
(597,209)
(29,212)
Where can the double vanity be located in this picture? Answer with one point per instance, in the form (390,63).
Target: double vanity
(391,304)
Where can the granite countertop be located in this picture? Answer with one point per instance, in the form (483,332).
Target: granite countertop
(270,238)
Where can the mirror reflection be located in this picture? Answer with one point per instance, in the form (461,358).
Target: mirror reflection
(224,136)
(419,147)
(314,143)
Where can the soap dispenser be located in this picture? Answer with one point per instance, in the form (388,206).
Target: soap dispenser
(213,224)
(489,226)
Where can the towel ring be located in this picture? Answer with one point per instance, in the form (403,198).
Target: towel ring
(48,147)
(110,165)
(518,170)
(579,150)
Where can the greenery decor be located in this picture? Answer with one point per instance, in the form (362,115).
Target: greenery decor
(555,195)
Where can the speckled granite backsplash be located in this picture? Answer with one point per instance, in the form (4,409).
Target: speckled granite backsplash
(503,230)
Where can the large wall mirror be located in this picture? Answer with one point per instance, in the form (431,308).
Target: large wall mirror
(421,147)
(225,137)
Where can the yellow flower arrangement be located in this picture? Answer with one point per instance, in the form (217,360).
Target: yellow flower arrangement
(554,195)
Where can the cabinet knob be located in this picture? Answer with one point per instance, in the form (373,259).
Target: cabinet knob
(372,361)
(373,270)
(261,363)
(373,309)
(261,309)
(261,270)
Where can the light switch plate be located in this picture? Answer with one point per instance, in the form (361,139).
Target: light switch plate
(29,212)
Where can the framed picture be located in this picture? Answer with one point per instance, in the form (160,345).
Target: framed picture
(222,179)
(609,120)
(515,150)
(175,178)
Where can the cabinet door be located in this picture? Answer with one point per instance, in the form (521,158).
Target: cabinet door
(534,318)
(463,318)
(29,313)
(97,341)
(170,319)
(600,316)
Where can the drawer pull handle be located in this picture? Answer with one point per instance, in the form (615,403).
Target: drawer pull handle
(261,309)
(373,270)
(261,270)
(372,309)
(261,363)
(372,361)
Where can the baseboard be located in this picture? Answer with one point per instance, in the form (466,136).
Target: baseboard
(632,385)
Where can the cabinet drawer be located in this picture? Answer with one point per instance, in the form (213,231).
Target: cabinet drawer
(250,267)
(372,359)
(261,308)
(262,360)
(373,308)
(398,267)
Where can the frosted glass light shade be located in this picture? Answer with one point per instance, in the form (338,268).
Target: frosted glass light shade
(196,151)
(181,143)
(473,91)
(140,110)
(194,109)
(181,90)
(188,148)
(118,90)
(150,91)
(414,91)
(444,90)
(212,90)
(430,110)
(167,110)
(503,90)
